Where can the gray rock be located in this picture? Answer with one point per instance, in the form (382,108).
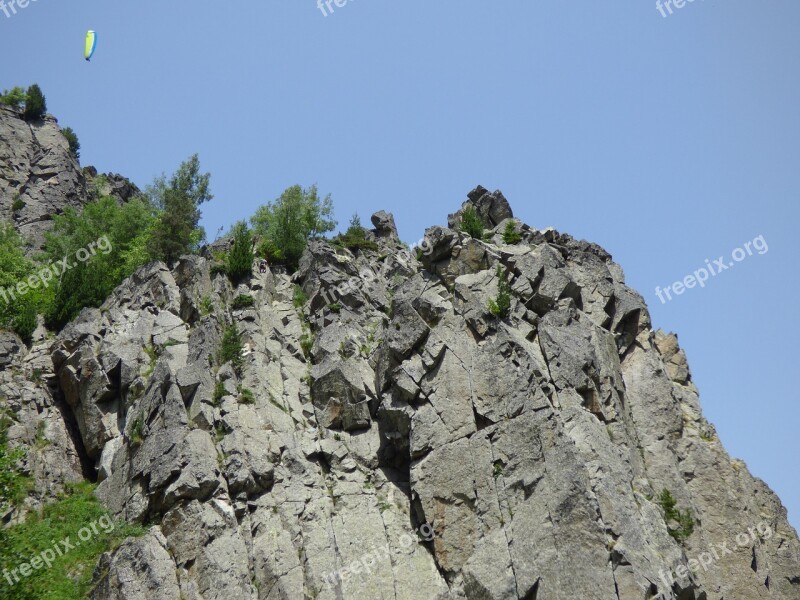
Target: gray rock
(384,224)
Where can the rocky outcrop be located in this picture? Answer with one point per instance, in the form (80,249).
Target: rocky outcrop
(391,437)
(40,177)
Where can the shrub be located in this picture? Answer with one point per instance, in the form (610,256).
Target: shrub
(13,484)
(684,519)
(35,104)
(218,269)
(471,223)
(137,432)
(239,262)
(121,249)
(231,348)
(268,250)
(242,301)
(72,140)
(307,342)
(219,393)
(17,312)
(500,306)
(25,320)
(18,203)
(290,221)
(206,306)
(510,233)
(335,307)
(300,297)
(13,97)
(246,396)
(70,573)
(355,238)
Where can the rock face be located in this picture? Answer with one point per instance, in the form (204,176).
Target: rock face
(39,176)
(392,438)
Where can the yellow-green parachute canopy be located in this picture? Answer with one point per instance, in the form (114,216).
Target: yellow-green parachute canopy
(90,45)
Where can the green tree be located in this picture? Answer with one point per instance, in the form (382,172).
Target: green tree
(178,200)
(231,348)
(72,139)
(35,104)
(17,311)
(14,97)
(239,262)
(471,223)
(510,233)
(122,247)
(684,519)
(290,221)
(500,306)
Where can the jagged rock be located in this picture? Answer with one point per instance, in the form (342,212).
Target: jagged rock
(384,224)
(36,168)
(10,345)
(534,445)
(492,208)
(140,569)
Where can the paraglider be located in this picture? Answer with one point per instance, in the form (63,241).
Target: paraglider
(90,45)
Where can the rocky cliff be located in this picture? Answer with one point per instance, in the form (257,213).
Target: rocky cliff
(383,434)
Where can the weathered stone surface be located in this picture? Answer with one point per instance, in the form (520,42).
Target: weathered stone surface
(532,448)
(37,168)
(384,224)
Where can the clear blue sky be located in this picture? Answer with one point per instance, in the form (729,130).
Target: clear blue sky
(666,140)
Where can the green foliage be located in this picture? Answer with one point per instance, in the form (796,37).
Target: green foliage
(72,139)
(13,97)
(335,307)
(355,238)
(122,247)
(18,204)
(510,233)
(17,311)
(35,104)
(218,269)
(219,393)
(178,200)
(291,220)
(300,297)
(206,306)
(672,514)
(70,573)
(246,396)
(500,306)
(242,301)
(306,342)
(239,262)
(268,250)
(25,320)
(13,484)
(471,223)
(137,432)
(231,348)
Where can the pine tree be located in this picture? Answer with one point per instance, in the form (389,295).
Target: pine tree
(35,104)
